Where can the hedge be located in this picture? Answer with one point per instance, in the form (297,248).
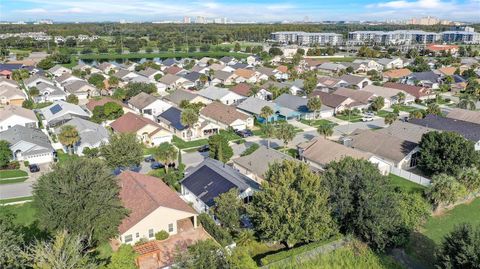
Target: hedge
(221,235)
(250,150)
(296,251)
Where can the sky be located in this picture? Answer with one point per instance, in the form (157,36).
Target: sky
(247,10)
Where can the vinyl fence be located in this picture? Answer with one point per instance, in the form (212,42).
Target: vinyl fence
(410,176)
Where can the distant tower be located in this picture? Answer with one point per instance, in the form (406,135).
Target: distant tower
(186,19)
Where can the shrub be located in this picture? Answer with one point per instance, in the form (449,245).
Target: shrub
(250,150)
(142,240)
(26,163)
(162,235)
(13,165)
(221,235)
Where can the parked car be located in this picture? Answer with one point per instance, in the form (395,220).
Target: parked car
(203,148)
(33,168)
(244,133)
(117,171)
(149,159)
(367,118)
(156,165)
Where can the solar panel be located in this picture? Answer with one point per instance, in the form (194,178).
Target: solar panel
(55,109)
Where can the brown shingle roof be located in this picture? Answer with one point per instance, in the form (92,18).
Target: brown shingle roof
(411,89)
(282,68)
(329,99)
(447,71)
(131,123)
(397,73)
(143,194)
(222,113)
(142,100)
(242,89)
(245,73)
(357,95)
(173,70)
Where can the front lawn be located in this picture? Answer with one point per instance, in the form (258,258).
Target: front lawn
(62,156)
(13,200)
(405,185)
(25,214)
(229,135)
(182,144)
(351,118)
(4,174)
(407,108)
(382,113)
(12,181)
(316,123)
(423,244)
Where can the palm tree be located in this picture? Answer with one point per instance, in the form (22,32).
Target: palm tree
(390,118)
(269,132)
(416,114)
(188,118)
(401,97)
(204,79)
(434,109)
(325,130)
(314,104)
(467,102)
(254,91)
(165,152)
(286,133)
(266,112)
(378,103)
(68,136)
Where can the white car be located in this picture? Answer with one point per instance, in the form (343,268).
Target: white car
(367,118)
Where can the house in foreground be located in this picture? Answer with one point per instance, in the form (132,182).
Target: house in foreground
(210,179)
(28,144)
(147,131)
(153,207)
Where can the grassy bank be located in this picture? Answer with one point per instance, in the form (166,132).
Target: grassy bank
(405,185)
(113,56)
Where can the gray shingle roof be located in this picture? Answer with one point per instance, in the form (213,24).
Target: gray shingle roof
(254,105)
(258,161)
(91,134)
(468,130)
(35,137)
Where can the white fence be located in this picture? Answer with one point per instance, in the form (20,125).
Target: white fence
(410,176)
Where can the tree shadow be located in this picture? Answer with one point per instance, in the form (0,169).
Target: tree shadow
(422,250)
(34,232)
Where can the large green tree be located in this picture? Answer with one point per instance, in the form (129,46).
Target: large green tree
(292,206)
(219,148)
(228,208)
(123,150)
(206,254)
(165,152)
(314,104)
(5,153)
(189,117)
(446,152)
(97,80)
(134,88)
(123,258)
(364,204)
(285,132)
(81,196)
(11,243)
(444,189)
(460,249)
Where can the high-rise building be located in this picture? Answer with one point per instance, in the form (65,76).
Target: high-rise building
(201,19)
(187,19)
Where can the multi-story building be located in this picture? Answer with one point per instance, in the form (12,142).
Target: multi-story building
(303,38)
(393,37)
(467,36)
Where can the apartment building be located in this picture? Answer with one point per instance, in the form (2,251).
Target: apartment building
(303,38)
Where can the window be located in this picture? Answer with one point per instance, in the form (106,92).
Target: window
(150,233)
(137,235)
(128,238)
(170,227)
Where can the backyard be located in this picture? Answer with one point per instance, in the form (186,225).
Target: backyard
(405,185)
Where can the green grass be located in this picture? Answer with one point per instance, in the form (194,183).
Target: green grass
(407,108)
(12,181)
(12,173)
(25,214)
(62,156)
(113,56)
(229,135)
(405,185)
(337,59)
(13,200)
(182,144)
(316,123)
(382,113)
(422,244)
(352,118)
(352,256)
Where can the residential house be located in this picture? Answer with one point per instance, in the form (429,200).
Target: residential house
(446,71)
(390,151)
(281,72)
(297,108)
(34,80)
(59,70)
(242,89)
(469,130)
(16,115)
(174,70)
(170,119)
(419,92)
(396,74)
(358,67)
(212,178)
(171,82)
(147,105)
(66,79)
(91,135)
(11,95)
(369,64)
(428,79)
(390,95)
(82,89)
(253,60)
(356,82)
(8,82)
(295,87)
(49,93)
(338,102)
(228,60)
(147,131)
(464,115)
(319,152)
(246,75)
(125,75)
(170,62)
(150,73)
(194,78)
(226,116)
(92,103)
(406,131)
(331,68)
(253,106)
(178,96)
(28,144)
(390,63)
(222,77)
(106,67)
(256,164)
(438,49)
(329,83)
(60,112)
(361,98)
(221,94)
(152,206)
